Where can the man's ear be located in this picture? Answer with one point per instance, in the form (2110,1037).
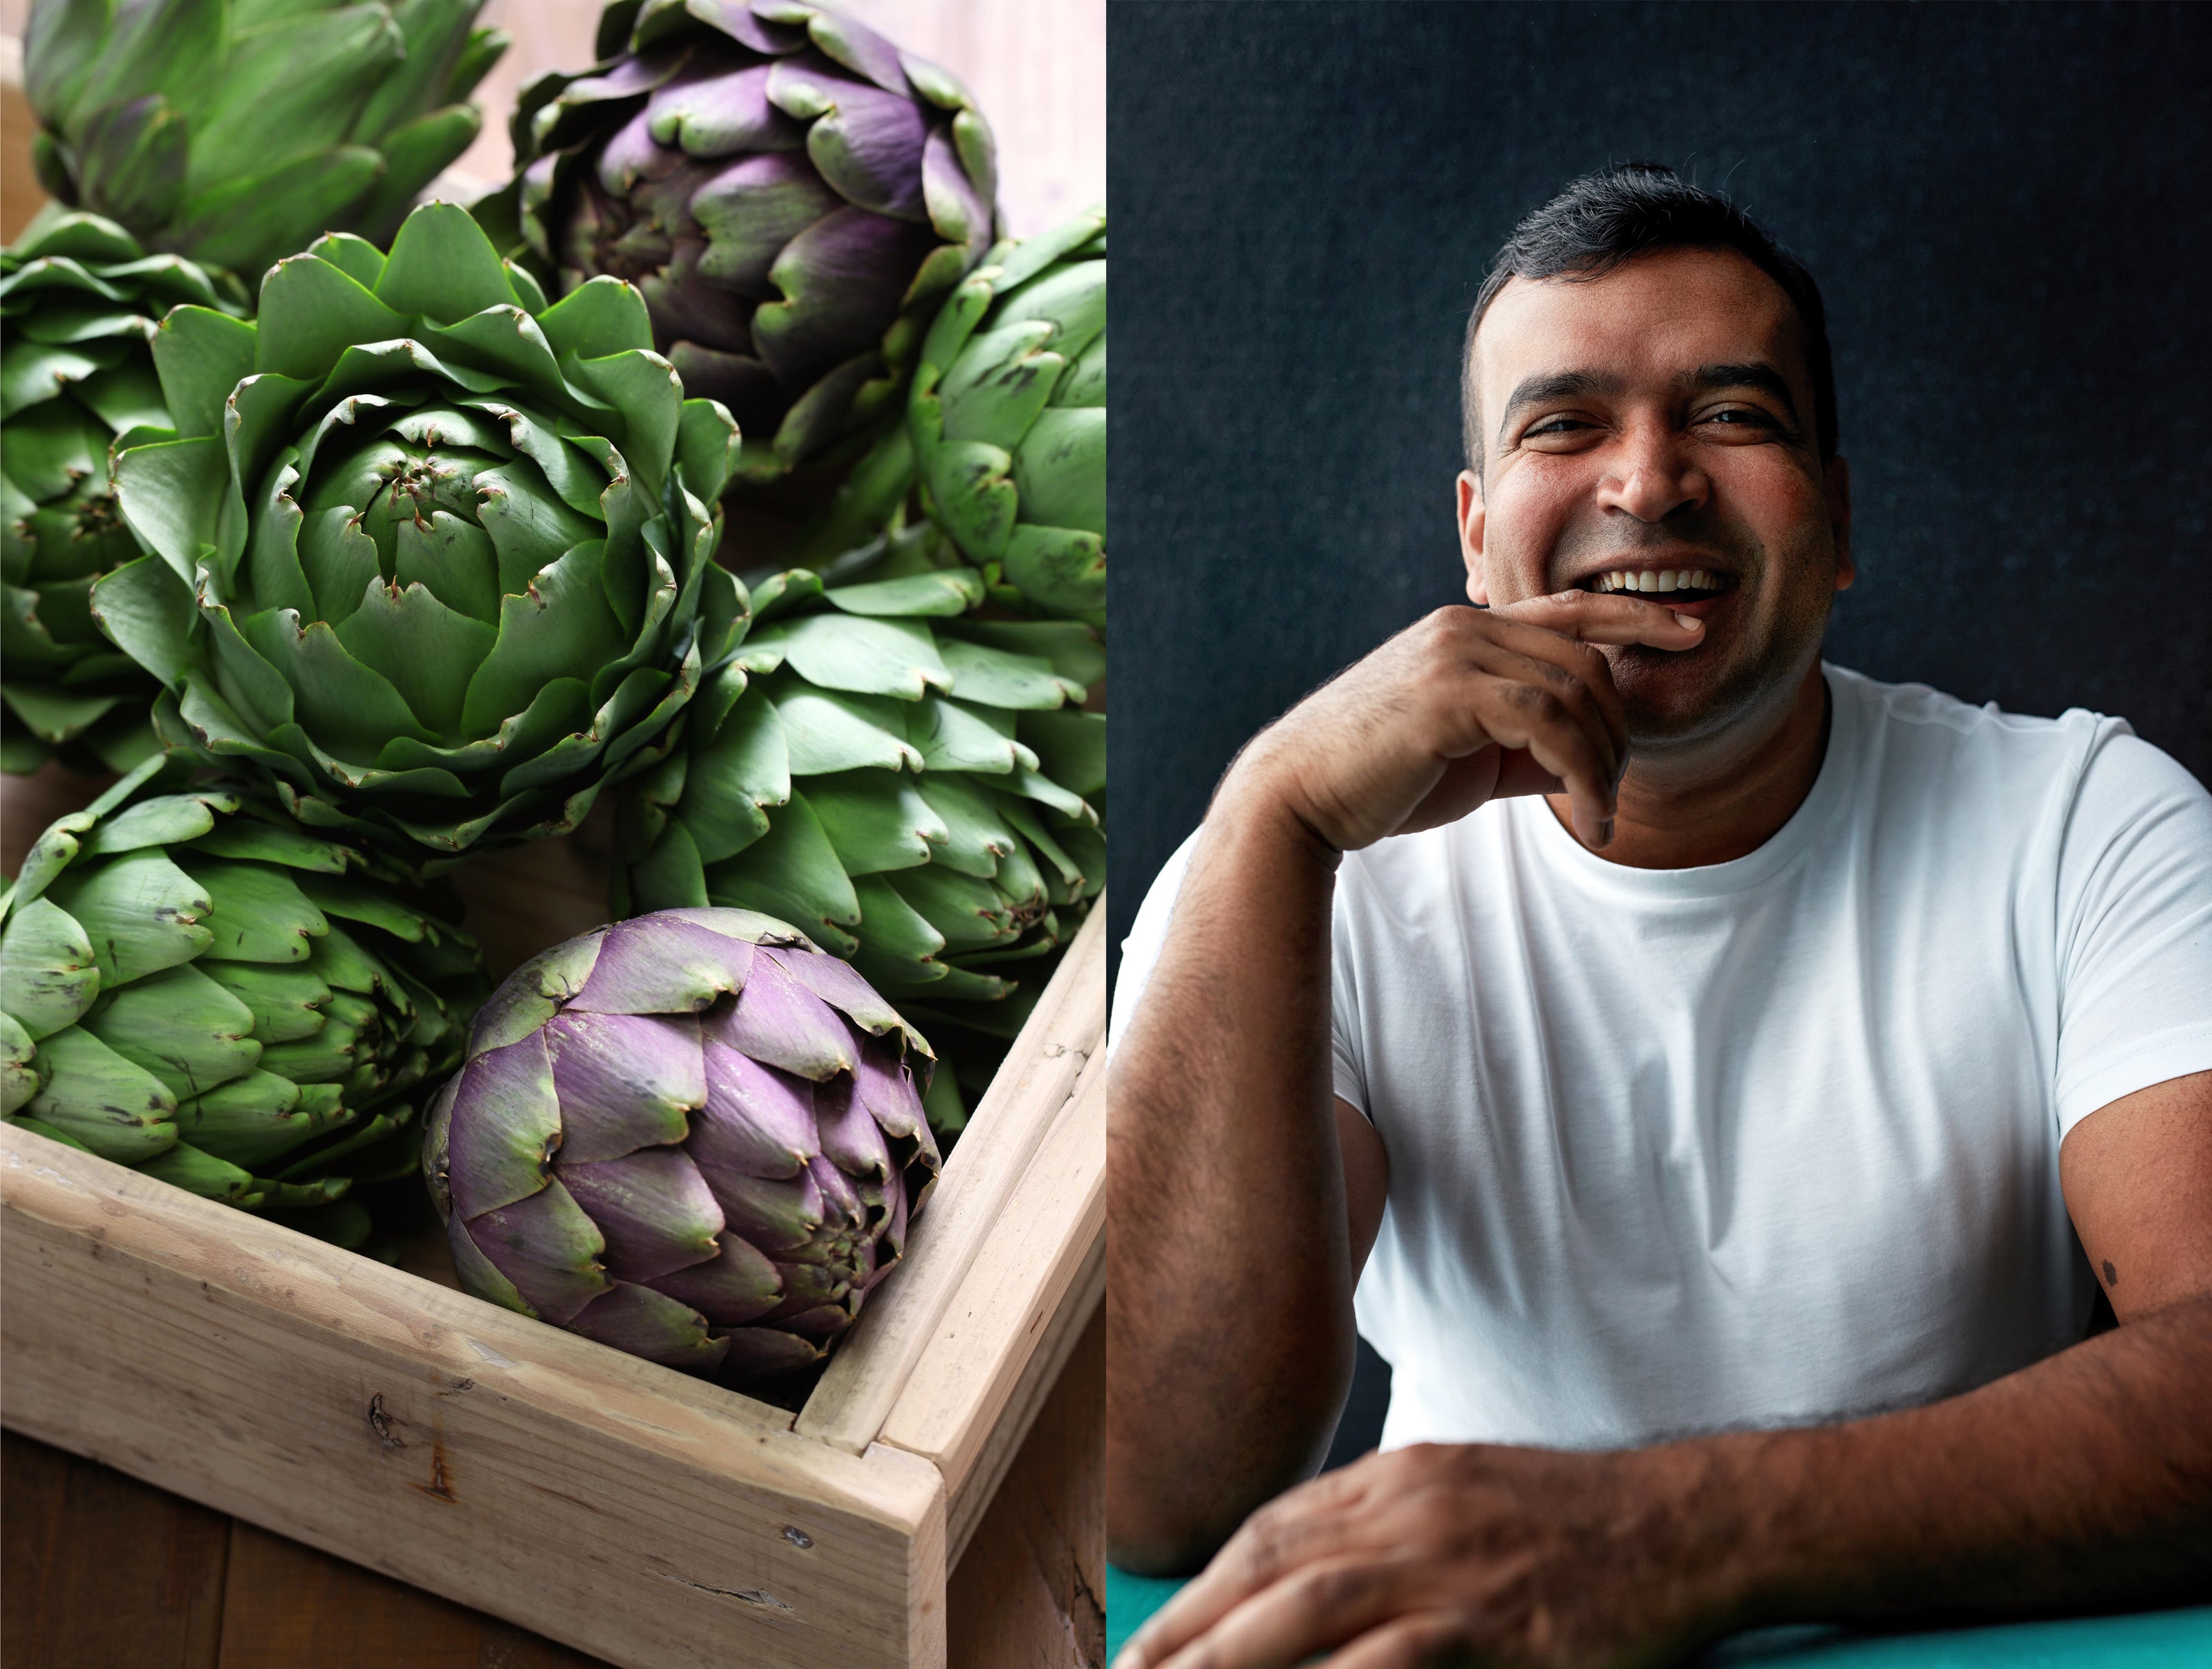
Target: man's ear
(1837,490)
(1470,537)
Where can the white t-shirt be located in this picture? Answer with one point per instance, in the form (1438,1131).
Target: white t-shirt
(1770,1142)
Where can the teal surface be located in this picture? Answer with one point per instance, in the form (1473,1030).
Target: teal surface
(2146,1640)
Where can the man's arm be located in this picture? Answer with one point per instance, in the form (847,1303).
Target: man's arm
(1230,1260)
(2082,1483)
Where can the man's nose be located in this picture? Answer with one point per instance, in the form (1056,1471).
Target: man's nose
(1651,476)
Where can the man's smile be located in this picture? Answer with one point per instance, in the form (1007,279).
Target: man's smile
(1683,588)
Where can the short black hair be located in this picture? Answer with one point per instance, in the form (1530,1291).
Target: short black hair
(1608,218)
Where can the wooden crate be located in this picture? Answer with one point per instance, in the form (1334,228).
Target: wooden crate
(637,1514)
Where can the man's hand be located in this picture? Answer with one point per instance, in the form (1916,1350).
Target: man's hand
(1467,706)
(1437,1554)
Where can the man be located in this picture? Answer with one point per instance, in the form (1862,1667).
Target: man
(1701,1061)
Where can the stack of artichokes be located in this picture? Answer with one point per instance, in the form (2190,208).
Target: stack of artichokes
(410,551)
(192,985)
(691,1135)
(236,131)
(903,781)
(431,557)
(794,195)
(79,298)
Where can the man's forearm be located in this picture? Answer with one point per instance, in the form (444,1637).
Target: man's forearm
(2081,1482)
(1228,1286)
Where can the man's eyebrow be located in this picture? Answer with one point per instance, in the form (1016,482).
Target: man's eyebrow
(1756,373)
(1554,385)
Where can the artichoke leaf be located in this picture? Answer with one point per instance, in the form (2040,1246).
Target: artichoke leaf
(875,820)
(201,356)
(140,912)
(48,977)
(443,268)
(828,730)
(180,1026)
(792,873)
(311,310)
(118,1110)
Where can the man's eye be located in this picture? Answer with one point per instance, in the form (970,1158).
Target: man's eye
(1555,426)
(1739,417)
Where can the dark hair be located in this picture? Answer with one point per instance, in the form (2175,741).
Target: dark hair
(1631,208)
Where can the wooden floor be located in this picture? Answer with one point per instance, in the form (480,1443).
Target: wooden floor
(99,1571)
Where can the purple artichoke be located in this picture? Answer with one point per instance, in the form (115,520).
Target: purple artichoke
(690,1136)
(794,194)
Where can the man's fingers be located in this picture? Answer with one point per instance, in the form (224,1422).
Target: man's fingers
(1310,1522)
(1408,1643)
(1314,1609)
(1531,718)
(1608,617)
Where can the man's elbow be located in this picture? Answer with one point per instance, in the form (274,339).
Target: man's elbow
(1179,1479)
(1169,1524)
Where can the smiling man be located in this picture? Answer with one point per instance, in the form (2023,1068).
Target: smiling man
(1701,1071)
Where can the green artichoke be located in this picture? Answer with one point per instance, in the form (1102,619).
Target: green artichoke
(79,298)
(692,1137)
(235,131)
(794,194)
(1008,418)
(431,557)
(910,785)
(192,984)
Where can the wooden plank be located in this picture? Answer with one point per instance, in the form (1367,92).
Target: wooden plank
(1024,1302)
(622,1509)
(1030,1590)
(1039,1380)
(101,1569)
(286,1605)
(865,1377)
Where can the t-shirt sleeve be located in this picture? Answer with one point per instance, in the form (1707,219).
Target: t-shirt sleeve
(1148,937)
(1347,1060)
(2135,927)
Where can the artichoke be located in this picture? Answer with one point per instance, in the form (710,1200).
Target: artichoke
(1008,418)
(192,984)
(794,194)
(235,131)
(430,556)
(912,786)
(692,1137)
(79,298)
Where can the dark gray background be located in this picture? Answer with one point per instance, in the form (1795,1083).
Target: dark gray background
(2006,210)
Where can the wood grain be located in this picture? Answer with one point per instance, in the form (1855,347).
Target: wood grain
(1030,1590)
(635,1513)
(1026,1299)
(101,1570)
(871,1367)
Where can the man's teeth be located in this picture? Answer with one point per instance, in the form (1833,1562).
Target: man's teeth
(1664,580)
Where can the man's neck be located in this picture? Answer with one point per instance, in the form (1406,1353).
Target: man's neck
(1719,801)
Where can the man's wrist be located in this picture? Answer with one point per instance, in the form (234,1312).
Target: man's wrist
(1257,799)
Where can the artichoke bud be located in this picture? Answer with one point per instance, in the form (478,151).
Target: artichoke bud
(79,296)
(189,984)
(1007,420)
(792,194)
(234,135)
(429,557)
(691,1135)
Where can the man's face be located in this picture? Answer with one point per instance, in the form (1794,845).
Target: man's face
(1659,420)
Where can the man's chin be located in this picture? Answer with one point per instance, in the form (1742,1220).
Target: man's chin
(1673,701)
